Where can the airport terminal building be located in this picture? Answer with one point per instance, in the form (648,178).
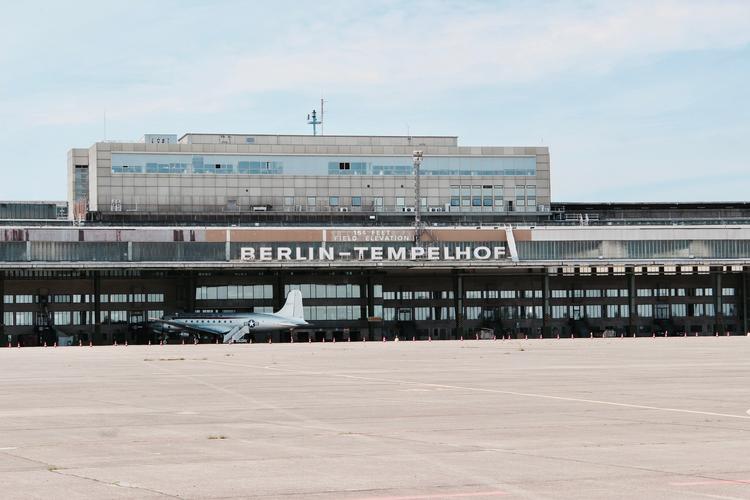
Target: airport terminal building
(451,242)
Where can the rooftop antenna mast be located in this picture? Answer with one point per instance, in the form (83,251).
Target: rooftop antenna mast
(312,119)
(417,159)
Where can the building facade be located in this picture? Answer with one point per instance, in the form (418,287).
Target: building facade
(234,174)
(233,222)
(102,284)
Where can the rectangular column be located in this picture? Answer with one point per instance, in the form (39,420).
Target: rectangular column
(458,297)
(546,312)
(630,273)
(97,305)
(718,312)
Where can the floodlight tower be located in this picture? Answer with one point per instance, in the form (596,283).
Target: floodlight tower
(417,159)
(312,119)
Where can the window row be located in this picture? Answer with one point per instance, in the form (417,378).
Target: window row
(331,313)
(227,164)
(416,294)
(233,292)
(68,318)
(589,292)
(503,294)
(416,313)
(318,291)
(85,298)
(503,312)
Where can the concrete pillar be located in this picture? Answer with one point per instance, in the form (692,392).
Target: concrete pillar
(719,316)
(97,305)
(368,288)
(743,296)
(278,291)
(632,311)
(458,297)
(190,283)
(3,339)
(546,311)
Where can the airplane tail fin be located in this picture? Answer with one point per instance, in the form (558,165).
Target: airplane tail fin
(293,306)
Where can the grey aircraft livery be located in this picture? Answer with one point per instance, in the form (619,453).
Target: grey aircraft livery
(232,327)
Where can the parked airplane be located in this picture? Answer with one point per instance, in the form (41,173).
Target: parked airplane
(231,327)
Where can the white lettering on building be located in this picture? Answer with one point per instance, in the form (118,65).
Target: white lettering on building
(373,253)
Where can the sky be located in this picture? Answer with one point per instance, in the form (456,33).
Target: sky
(637,100)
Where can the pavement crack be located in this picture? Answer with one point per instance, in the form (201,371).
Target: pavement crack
(113,483)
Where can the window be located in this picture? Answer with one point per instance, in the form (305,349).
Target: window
(645,310)
(422,313)
(8,319)
(487,196)
(333,201)
(594,311)
(62,317)
(559,294)
(643,292)
(613,311)
(345,166)
(576,312)
(455,196)
(498,197)
(311,201)
(400,202)
(24,319)
(559,312)
(661,311)
(612,292)
(289,201)
(379,201)
(472,312)
(593,293)
(356,201)
(727,292)
(679,310)
(7,299)
(728,309)
(24,299)
(155,297)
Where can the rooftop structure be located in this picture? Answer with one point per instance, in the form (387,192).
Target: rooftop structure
(235,176)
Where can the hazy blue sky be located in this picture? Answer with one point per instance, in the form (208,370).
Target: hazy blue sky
(637,100)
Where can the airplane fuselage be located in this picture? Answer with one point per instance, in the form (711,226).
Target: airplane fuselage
(224,323)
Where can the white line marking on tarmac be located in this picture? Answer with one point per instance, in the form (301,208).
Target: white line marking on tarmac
(711,481)
(559,398)
(8,448)
(492,391)
(441,495)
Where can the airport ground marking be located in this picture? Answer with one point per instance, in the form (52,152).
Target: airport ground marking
(711,481)
(441,495)
(491,391)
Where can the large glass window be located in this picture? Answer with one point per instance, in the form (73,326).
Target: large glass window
(62,318)
(222,164)
(645,310)
(24,319)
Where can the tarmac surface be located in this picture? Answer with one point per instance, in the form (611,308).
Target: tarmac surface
(584,418)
